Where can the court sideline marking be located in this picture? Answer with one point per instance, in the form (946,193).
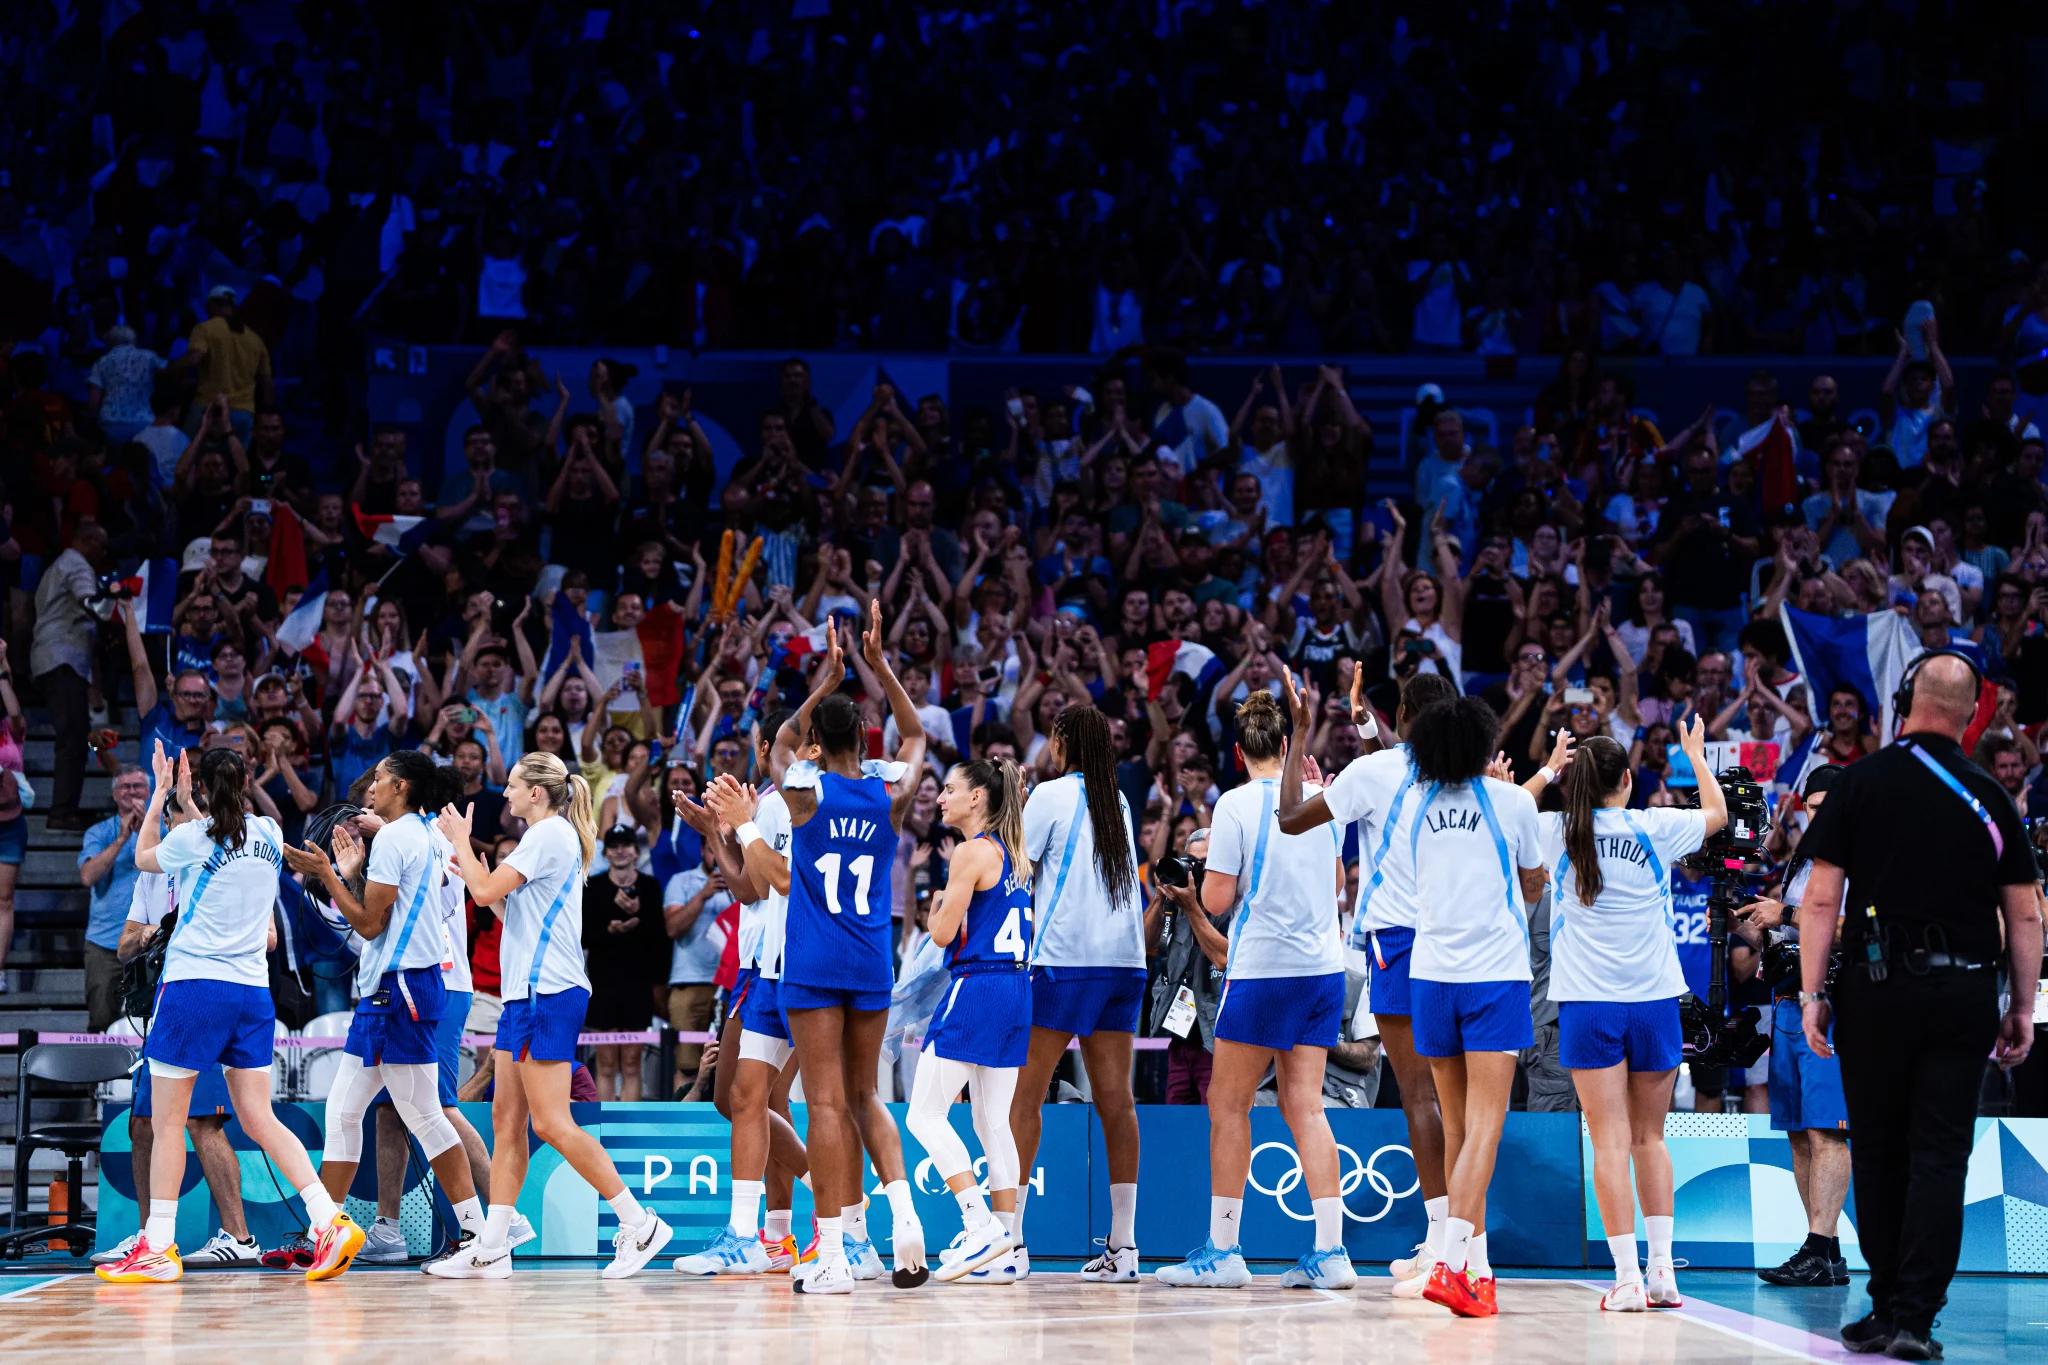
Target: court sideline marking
(1783,1338)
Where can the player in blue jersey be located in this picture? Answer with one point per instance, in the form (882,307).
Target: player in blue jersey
(838,960)
(540,887)
(1282,1007)
(214,1004)
(1087,970)
(981,1032)
(394,1040)
(1615,976)
(1379,792)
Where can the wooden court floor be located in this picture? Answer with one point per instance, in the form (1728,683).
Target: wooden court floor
(571,1315)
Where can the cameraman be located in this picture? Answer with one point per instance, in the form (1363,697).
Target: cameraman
(1940,863)
(1188,987)
(1806,1088)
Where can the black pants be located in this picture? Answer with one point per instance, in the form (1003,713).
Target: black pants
(1913,1051)
(64,695)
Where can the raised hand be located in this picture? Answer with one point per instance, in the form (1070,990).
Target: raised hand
(349,852)
(1561,753)
(1300,710)
(455,824)
(871,638)
(1499,769)
(162,767)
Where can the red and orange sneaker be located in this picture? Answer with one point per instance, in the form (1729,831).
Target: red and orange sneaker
(334,1247)
(1483,1296)
(144,1265)
(1453,1289)
(782,1255)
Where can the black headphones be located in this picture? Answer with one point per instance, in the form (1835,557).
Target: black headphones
(1902,700)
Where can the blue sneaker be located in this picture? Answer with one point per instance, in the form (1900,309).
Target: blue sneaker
(1208,1268)
(1327,1268)
(973,1249)
(727,1253)
(864,1261)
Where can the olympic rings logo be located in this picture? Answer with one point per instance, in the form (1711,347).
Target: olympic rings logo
(1352,1172)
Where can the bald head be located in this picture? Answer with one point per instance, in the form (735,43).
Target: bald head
(1944,697)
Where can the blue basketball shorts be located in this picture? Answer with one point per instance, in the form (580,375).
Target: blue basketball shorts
(1451,1018)
(1282,1012)
(792,997)
(397,1022)
(543,1028)
(1387,985)
(1806,1089)
(209,1094)
(1594,1034)
(985,1019)
(200,1022)
(1087,1000)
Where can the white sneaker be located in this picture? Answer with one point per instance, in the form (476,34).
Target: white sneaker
(910,1269)
(863,1261)
(727,1253)
(222,1249)
(1116,1265)
(1326,1268)
(383,1244)
(1207,1267)
(1662,1286)
(633,1248)
(1411,1286)
(472,1262)
(824,1277)
(1627,1296)
(1416,1267)
(973,1249)
(520,1233)
(118,1252)
(1008,1268)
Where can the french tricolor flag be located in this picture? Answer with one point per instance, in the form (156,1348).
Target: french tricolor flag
(154,588)
(1164,658)
(654,647)
(403,534)
(302,627)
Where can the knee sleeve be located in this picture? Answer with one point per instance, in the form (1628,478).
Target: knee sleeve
(992,1089)
(761,1047)
(416,1095)
(164,1071)
(931,1101)
(355,1085)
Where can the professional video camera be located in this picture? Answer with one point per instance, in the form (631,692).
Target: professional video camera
(1713,1036)
(1176,870)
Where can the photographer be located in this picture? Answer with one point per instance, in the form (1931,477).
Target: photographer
(1188,986)
(1940,862)
(1806,1088)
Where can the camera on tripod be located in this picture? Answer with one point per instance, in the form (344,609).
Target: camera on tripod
(1713,1036)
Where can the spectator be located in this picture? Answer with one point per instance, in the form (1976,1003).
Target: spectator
(232,363)
(692,902)
(106,868)
(623,935)
(122,385)
(60,657)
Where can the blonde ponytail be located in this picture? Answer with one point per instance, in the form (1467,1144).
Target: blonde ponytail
(567,793)
(1002,783)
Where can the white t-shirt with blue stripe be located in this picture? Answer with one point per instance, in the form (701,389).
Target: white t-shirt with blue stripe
(1285,924)
(764,924)
(225,896)
(455,973)
(1077,924)
(402,855)
(542,950)
(1622,948)
(1469,842)
(1380,792)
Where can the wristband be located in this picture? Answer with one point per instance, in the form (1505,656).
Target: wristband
(748,833)
(1371,728)
(1545,773)
(1812,998)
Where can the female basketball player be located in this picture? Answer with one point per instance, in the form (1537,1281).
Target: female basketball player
(1379,791)
(980,1035)
(1615,976)
(753,1092)
(1087,968)
(838,963)
(214,1004)
(1478,857)
(541,956)
(1282,1008)
(402,997)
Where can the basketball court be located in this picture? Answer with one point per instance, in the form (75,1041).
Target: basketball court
(569,1314)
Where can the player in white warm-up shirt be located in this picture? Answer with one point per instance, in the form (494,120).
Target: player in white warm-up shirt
(1478,861)
(1282,1006)
(1615,976)
(1087,969)
(1379,792)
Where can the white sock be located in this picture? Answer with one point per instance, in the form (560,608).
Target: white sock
(631,1215)
(745,1219)
(162,1230)
(320,1207)
(1225,1217)
(497,1226)
(384,1222)
(853,1222)
(1475,1257)
(902,1207)
(831,1241)
(973,1208)
(469,1213)
(1457,1243)
(1017,1228)
(1438,1210)
(1123,1216)
(1623,1249)
(1007,1220)
(1658,1226)
(777,1226)
(1329,1222)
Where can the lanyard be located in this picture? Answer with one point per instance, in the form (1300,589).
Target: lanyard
(1948,779)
